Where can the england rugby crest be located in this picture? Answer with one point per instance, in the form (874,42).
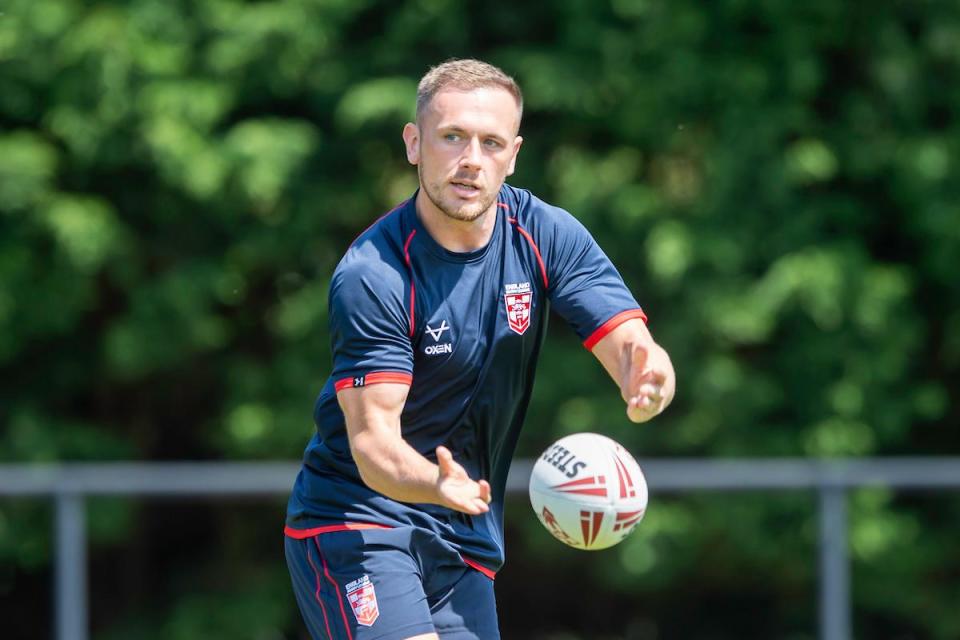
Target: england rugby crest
(363,600)
(519,301)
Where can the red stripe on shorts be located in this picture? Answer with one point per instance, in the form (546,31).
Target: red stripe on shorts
(300,534)
(316,594)
(479,567)
(326,572)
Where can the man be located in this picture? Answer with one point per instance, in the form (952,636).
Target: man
(437,314)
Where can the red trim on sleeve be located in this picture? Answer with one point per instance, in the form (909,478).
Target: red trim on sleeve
(503,205)
(301,534)
(612,324)
(413,289)
(479,567)
(388,376)
(377,377)
(536,250)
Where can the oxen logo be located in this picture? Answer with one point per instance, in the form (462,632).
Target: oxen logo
(519,301)
(363,600)
(443,347)
(436,333)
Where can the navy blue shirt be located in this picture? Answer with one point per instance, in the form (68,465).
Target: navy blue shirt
(463,330)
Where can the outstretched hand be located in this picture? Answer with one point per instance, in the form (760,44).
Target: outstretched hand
(456,489)
(647,381)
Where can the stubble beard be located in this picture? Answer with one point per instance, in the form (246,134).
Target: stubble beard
(463,213)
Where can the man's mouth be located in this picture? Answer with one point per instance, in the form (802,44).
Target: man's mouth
(465,188)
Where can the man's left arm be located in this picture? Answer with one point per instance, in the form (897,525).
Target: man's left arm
(640,367)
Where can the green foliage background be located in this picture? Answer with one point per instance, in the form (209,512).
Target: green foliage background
(777,181)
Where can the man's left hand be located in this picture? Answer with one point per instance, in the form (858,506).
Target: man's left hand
(647,380)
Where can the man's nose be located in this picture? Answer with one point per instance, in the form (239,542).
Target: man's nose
(471,154)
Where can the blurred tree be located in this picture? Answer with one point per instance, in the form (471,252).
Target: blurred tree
(777,181)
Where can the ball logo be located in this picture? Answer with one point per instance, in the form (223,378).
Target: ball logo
(519,301)
(363,600)
(564,460)
(551,521)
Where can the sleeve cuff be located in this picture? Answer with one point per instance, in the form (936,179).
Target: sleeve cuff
(612,324)
(376,377)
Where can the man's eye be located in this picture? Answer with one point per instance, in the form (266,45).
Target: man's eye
(490,142)
(451,137)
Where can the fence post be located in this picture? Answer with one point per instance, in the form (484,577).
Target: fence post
(71,568)
(835,603)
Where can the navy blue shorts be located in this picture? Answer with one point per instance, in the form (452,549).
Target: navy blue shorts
(388,584)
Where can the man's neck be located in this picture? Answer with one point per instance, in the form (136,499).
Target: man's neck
(456,235)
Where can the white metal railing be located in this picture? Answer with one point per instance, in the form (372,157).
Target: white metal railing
(70,484)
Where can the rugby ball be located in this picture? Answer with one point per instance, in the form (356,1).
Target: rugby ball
(588,491)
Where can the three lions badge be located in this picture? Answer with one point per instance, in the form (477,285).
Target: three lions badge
(519,301)
(363,600)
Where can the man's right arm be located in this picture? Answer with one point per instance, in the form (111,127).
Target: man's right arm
(389,465)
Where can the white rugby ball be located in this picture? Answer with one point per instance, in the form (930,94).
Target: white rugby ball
(588,491)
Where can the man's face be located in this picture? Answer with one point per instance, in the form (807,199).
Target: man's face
(465,144)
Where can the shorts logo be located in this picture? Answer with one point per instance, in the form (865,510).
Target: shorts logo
(363,600)
(519,300)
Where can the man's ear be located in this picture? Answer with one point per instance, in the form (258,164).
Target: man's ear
(411,139)
(518,141)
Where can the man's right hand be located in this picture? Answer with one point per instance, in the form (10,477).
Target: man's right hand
(389,465)
(457,490)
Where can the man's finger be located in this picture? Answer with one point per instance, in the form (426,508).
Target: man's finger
(485,493)
(652,391)
(472,505)
(445,461)
(634,358)
(642,408)
(480,506)
(654,376)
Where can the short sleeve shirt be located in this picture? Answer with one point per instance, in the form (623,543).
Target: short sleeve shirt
(464,331)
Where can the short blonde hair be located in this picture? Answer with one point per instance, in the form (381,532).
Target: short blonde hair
(465,74)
